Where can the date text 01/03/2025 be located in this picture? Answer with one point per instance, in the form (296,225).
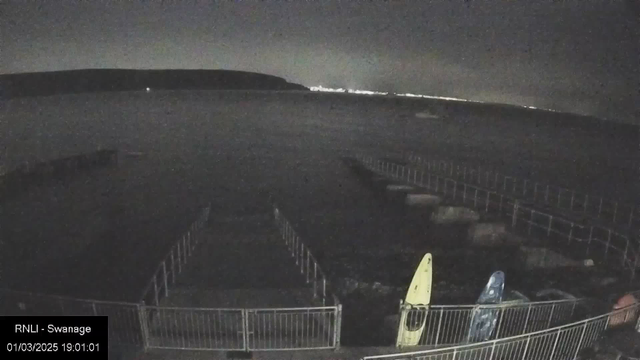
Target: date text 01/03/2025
(40,336)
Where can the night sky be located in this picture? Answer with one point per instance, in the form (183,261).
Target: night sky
(577,56)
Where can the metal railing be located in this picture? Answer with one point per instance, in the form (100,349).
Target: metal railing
(307,263)
(615,248)
(124,318)
(450,324)
(175,261)
(559,343)
(614,212)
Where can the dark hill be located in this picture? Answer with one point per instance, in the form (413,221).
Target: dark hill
(98,80)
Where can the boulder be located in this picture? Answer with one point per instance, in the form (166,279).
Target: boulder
(422,200)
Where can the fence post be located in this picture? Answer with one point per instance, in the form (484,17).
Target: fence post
(549,228)
(338,327)
(95,311)
(535,192)
(514,216)
(515,182)
(495,180)
(421,177)
(142,318)
(493,349)
(486,208)
(553,307)
(439,327)
(166,285)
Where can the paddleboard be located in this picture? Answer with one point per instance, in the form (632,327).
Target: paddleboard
(483,320)
(412,323)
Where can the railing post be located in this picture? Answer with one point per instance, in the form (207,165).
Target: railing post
(535,192)
(584,329)
(166,285)
(549,228)
(155,290)
(95,311)
(421,177)
(571,232)
(546,195)
(606,250)
(526,348)
(559,198)
(531,221)
(486,207)
(586,203)
(144,329)
(455,187)
(600,208)
(315,279)
(324,290)
(464,193)
(439,326)
(475,198)
(179,259)
(526,320)
(493,349)
(338,327)
(514,216)
(173,268)
(553,307)
(555,345)
(573,195)
(308,272)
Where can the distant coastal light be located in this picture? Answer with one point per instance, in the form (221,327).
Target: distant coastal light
(369,92)
(148,89)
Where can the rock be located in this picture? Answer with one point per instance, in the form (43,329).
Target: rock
(399,187)
(425,200)
(454,215)
(488,234)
